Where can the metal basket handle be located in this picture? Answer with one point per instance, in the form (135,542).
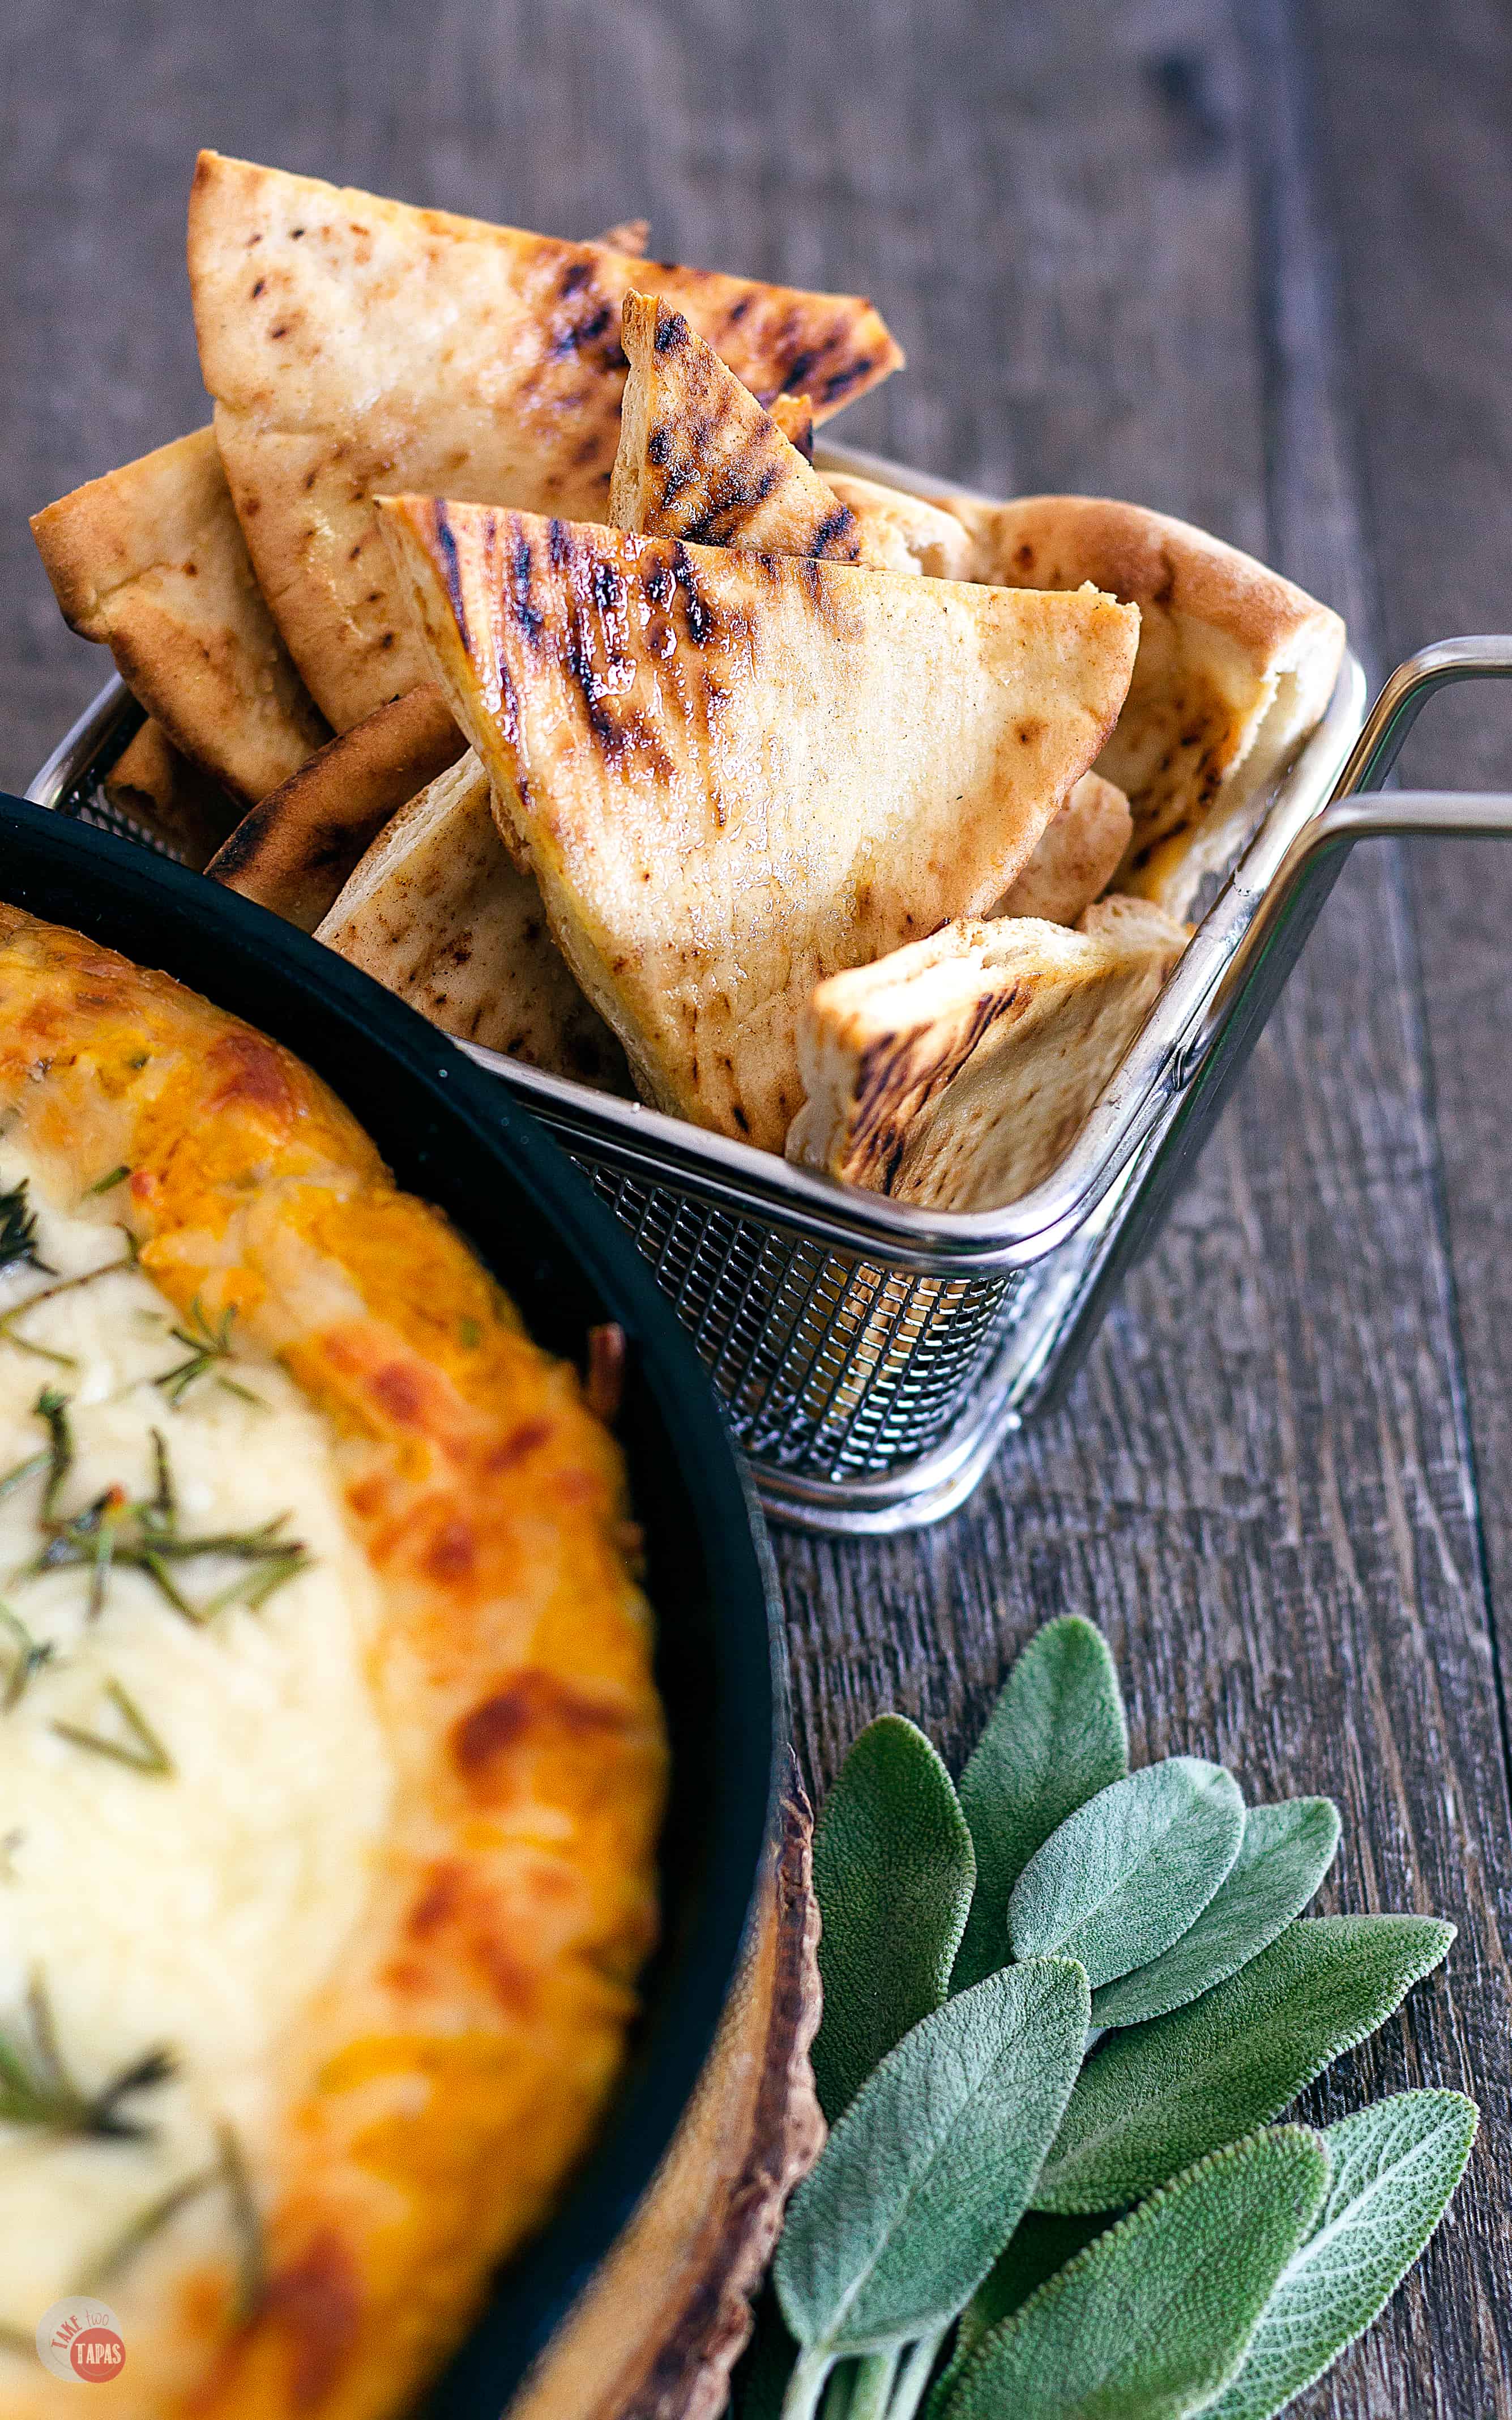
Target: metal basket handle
(1216,1048)
(1358,810)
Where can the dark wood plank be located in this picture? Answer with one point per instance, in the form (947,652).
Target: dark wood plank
(1110,245)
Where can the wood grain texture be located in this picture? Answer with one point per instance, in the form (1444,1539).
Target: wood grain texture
(1245,262)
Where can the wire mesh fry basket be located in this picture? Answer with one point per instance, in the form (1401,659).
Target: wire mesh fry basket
(871,1354)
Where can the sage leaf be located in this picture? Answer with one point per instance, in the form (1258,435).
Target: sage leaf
(1152,2320)
(1038,2247)
(1129,1871)
(1396,2166)
(1055,1737)
(1285,1853)
(927,2174)
(1157,2097)
(892,1870)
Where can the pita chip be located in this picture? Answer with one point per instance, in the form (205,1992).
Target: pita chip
(355,345)
(168,796)
(438,914)
(736,773)
(625,234)
(1078,855)
(150,562)
(957,1073)
(903,533)
(698,458)
(1236,666)
(297,847)
(794,416)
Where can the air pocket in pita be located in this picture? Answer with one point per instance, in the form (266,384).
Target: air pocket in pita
(734,773)
(956,1073)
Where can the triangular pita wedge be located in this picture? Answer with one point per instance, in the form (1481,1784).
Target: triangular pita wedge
(625,234)
(437,913)
(150,562)
(1078,855)
(354,345)
(734,773)
(1236,666)
(957,1073)
(698,458)
(794,416)
(298,845)
(903,533)
(168,796)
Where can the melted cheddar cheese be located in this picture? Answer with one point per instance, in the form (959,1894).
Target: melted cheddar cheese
(367,1856)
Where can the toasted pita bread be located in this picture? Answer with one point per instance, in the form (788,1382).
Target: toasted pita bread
(355,345)
(1235,668)
(734,773)
(794,416)
(1078,855)
(627,235)
(150,562)
(956,1073)
(296,848)
(700,460)
(903,533)
(437,913)
(168,796)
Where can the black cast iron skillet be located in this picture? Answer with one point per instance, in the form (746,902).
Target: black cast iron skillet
(452,1135)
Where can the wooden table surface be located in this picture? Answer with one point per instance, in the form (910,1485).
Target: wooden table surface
(1246,262)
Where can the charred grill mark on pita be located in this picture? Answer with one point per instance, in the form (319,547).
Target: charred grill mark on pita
(446,542)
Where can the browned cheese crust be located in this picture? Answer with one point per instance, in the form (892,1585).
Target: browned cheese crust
(430,2102)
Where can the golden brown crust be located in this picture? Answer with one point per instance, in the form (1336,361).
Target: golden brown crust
(698,458)
(297,847)
(1080,850)
(169,797)
(431,2099)
(1236,666)
(357,347)
(150,562)
(735,772)
(956,1073)
(660,2325)
(439,912)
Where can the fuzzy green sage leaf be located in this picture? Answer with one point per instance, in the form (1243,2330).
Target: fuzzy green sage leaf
(1151,2101)
(1055,1737)
(1152,2320)
(1132,1870)
(892,1870)
(1283,1856)
(928,2172)
(1039,2246)
(1396,2166)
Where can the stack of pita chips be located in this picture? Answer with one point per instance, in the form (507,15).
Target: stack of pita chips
(661,754)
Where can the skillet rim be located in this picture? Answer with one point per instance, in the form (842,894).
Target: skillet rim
(232,951)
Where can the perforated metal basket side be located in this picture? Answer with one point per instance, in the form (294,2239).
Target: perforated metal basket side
(832,1368)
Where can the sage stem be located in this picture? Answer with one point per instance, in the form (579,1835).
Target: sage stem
(913,2377)
(875,2374)
(807,2383)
